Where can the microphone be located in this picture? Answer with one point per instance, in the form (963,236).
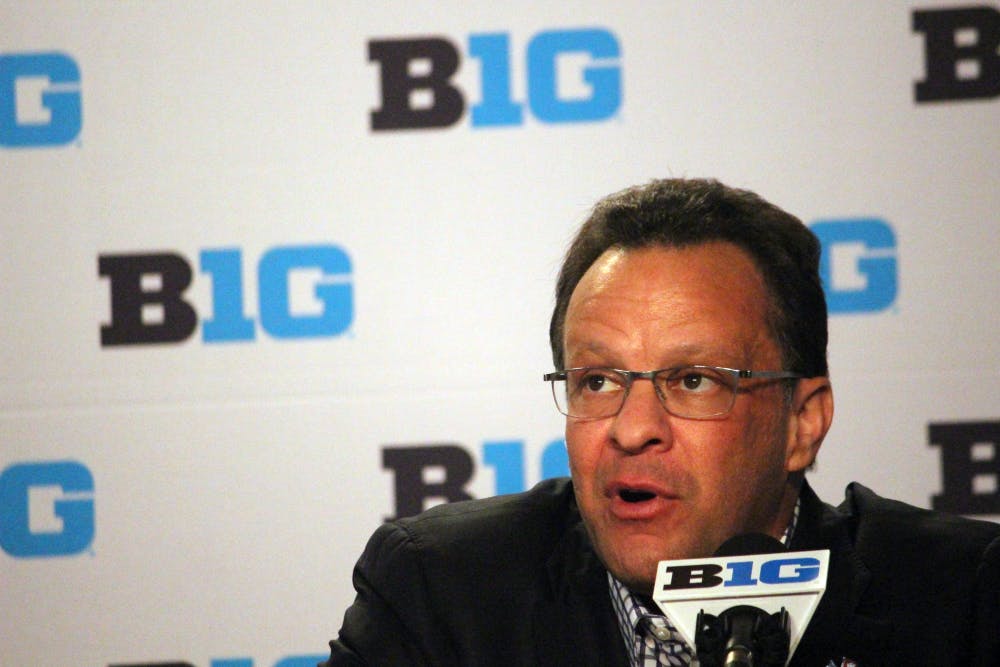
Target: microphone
(748,605)
(744,635)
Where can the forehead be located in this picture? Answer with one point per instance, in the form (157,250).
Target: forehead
(708,296)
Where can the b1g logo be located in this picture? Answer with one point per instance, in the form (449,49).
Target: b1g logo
(440,472)
(961,53)
(970,466)
(303,292)
(571,76)
(39,100)
(858,264)
(756,571)
(46,509)
(698,593)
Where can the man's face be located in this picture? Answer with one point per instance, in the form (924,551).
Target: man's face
(651,486)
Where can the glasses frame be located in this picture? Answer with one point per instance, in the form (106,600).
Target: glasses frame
(735,375)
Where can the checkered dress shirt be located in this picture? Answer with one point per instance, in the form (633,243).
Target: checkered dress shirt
(650,638)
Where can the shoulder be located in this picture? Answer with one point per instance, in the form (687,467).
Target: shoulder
(497,532)
(904,529)
(425,582)
(895,520)
(550,502)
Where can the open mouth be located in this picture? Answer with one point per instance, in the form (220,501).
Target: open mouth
(635,495)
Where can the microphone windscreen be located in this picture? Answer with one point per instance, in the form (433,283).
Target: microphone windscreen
(748,544)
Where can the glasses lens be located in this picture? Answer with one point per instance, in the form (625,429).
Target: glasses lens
(590,393)
(697,392)
(692,392)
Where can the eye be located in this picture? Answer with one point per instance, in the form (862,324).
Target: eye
(597,381)
(694,381)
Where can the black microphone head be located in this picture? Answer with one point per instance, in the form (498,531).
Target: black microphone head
(748,544)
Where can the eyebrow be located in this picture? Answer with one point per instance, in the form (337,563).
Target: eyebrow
(685,351)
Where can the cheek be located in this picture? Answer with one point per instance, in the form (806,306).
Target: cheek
(745,461)
(723,457)
(584,444)
(716,470)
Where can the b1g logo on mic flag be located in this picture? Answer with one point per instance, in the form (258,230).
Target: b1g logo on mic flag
(794,581)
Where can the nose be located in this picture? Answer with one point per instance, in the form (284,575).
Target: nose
(643,421)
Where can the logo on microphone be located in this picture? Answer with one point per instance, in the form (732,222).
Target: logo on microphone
(786,583)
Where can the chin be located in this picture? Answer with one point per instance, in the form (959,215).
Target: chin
(638,582)
(636,570)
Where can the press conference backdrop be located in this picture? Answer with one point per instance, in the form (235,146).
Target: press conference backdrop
(275,272)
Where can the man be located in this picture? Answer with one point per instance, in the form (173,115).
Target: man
(690,336)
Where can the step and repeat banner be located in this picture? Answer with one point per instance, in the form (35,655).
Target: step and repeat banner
(274,273)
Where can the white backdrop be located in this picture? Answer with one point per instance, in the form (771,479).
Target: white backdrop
(233,484)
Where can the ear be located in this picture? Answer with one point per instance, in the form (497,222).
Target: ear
(809,419)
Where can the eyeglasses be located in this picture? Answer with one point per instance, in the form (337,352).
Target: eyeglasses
(690,392)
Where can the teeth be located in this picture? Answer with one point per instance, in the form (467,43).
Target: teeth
(631,496)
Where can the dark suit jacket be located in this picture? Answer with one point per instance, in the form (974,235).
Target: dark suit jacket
(513,580)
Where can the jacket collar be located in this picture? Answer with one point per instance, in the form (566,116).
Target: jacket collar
(846,625)
(574,621)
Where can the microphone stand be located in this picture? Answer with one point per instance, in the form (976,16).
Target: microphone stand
(743,636)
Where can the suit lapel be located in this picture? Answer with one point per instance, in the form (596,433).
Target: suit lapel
(574,623)
(847,624)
